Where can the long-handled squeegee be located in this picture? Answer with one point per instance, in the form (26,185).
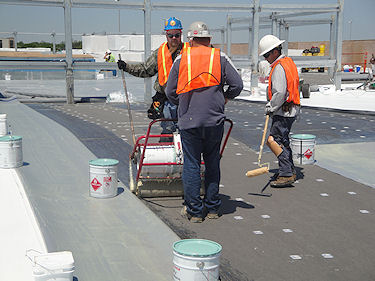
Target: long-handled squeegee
(264,168)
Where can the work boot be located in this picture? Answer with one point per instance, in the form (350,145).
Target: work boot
(212,216)
(186,215)
(276,175)
(283,181)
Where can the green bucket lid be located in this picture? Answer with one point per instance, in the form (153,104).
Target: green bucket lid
(10,138)
(104,162)
(303,136)
(197,247)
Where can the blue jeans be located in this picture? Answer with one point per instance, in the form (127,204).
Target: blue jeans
(169,112)
(280,130)
(197,141)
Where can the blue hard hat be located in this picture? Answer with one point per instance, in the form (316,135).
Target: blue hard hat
(172,23)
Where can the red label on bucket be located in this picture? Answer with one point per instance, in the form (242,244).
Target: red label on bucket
(308,153)
(95,184)
(107,181)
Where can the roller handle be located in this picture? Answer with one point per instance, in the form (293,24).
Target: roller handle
(263,139)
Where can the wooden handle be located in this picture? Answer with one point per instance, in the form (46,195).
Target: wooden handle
(128,103)
(263,139)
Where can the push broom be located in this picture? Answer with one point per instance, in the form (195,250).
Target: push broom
(264,168)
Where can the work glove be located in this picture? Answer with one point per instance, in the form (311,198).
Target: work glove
(156,109)
(268,109)
(121,64)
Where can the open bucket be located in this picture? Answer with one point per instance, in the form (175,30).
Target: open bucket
(3,125)
(303,148)
(196,259)
(103,178)
(11,152)
(57,266)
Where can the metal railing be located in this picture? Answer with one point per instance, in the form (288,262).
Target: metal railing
(254,8)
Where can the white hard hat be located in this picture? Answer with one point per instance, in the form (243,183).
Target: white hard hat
(198,29)
(108,51)
(267,43)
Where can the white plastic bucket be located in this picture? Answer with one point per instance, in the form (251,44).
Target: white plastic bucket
(7,77)
(303,148)
(103,178)
(11,152)
(3,125)
(58,266)
(196,259)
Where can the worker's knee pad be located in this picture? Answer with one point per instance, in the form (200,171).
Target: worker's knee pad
(274,146)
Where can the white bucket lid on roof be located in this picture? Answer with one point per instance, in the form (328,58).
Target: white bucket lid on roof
(55,261)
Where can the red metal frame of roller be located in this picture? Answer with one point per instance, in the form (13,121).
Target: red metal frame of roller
(145,144)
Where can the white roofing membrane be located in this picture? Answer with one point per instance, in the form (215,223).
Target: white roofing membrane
(19,230)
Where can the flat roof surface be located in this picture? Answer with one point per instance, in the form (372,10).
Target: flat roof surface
(320,229)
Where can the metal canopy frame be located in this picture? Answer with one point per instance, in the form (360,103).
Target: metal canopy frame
(278,16)
(280,23)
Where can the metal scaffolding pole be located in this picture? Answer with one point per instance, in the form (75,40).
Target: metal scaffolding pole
(274,24)
(53,34)
(68,49)
(286,34)
(254,54)
(331,44)
(147,41)
(250,42)
(338,51)
(222,32)
(15,40)
(281,34)
(229,35)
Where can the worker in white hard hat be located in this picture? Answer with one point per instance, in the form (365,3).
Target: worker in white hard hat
(196,85)
(283,106)
(109,57)
(160,63)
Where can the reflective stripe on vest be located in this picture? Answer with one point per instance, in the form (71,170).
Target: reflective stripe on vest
(199,67)
(165,62)
(292,80)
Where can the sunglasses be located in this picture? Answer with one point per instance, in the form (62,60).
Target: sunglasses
(266,55)
(177,35)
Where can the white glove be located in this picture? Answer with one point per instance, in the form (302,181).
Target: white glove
(268,109)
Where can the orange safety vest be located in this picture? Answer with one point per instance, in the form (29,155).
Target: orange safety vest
(165,62)
(199,67)
(292,80)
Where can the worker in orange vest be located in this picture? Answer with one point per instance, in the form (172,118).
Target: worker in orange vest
(196,85)
(283,106)
(160,63)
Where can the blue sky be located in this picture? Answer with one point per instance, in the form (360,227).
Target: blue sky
(89,20)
